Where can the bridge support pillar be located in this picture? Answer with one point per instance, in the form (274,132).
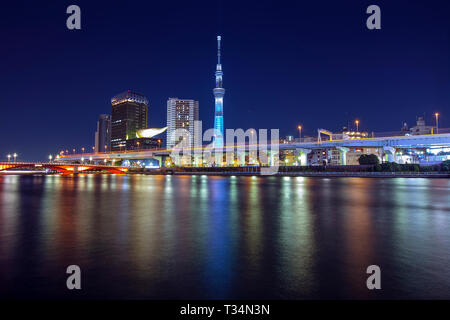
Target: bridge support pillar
(274,158)
(389,153)
(302,155)
(241,156)
(197,160)
(161,160)
(343,155)
(218,156)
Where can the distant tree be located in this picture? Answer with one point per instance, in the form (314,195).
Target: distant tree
(368,159)
(445,165)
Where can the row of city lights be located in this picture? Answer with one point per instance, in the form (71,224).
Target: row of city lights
(299,127)
(74,150)
(357,125)
(50,157)
(14,155)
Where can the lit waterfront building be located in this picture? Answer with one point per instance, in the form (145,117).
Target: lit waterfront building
(129,115)
(421,128)
(219,92)
(181,114)
(103,133)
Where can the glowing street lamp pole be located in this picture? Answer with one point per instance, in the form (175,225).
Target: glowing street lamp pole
(9,157)
(437,122)
(357,125)
(300,132)
(50,158)
(15,156)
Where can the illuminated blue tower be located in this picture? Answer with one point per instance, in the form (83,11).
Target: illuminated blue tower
(219,92)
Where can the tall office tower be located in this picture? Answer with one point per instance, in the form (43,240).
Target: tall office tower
(129,114)
(181,114)
(103,133)
(219,92)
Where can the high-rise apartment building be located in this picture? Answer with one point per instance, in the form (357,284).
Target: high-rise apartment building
(129,114)
(103,133)
(181,114)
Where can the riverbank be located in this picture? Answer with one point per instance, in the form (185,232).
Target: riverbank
(330,174)
(298,174)
(22,172)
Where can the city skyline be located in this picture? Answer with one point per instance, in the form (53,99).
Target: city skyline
(222,159)
(268,88)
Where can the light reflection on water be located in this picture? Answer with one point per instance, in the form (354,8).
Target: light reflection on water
(224,237)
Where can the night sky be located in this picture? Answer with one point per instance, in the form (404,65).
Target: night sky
(285,63)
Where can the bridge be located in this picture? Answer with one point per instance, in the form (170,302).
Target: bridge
(66,168)
(399,142)
(389,144)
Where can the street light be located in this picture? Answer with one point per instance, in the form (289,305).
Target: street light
(9,157)
(90,159)
(82,150)
(300,132)
(137,145)
(437,122)
(253,136)
(50,158)
(73,151)
(357,125)
(15,156)
(105,161)
(82,159)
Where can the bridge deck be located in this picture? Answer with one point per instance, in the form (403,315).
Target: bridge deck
(418,141)
(62,167)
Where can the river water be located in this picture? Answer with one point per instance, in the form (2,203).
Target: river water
(199,237)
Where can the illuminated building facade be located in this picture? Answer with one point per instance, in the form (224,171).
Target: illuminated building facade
(421,128)
(103,133)
(139,144)
(219,92)
(129,115)
(181,114)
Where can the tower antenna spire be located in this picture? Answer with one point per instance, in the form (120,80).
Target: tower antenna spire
(219,38)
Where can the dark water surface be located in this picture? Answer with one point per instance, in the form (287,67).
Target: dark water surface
(170,237)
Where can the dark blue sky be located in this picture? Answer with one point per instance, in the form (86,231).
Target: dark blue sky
(285,63)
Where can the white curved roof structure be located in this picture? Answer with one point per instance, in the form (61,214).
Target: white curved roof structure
(150,132)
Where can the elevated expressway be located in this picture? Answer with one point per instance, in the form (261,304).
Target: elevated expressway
(389,144)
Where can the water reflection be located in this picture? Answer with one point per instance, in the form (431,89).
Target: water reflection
(223,237)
